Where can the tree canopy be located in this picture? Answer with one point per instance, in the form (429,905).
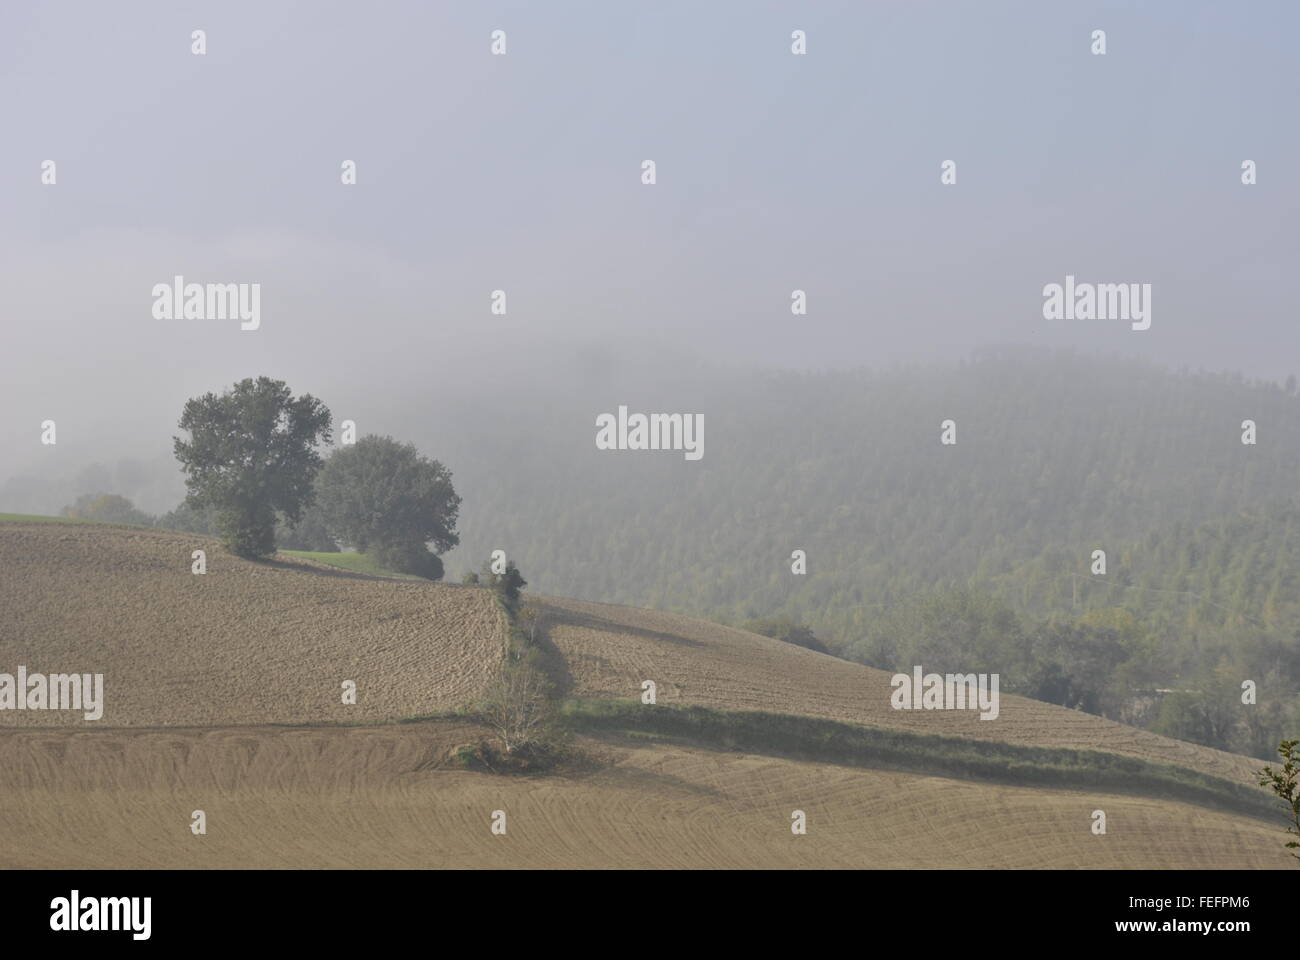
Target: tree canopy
(251,454)
(383,497)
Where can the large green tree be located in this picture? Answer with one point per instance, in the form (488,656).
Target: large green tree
(252,455)
(382,497)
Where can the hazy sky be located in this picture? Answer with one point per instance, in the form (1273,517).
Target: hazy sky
(523,172)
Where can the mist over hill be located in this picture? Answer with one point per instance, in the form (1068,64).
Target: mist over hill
(1056,455)
(981,550)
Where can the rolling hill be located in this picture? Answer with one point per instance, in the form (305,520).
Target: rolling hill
(372,797)
(222,694)
(608,651)
(243,643)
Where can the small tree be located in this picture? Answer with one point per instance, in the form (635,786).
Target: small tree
(252,453)
(529,622)
(1286,784)
(507,586)
(786,630)
(518,707)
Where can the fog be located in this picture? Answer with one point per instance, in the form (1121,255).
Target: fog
(523,173)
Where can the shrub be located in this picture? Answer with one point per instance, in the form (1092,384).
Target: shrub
(518,708)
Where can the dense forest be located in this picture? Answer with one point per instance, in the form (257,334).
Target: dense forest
(1057,456)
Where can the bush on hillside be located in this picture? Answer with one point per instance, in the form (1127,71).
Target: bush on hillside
(786,630)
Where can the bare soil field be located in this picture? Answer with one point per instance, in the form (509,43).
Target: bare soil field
(250,643)
(385,797)
(243,643)
(222,690)
(607,651)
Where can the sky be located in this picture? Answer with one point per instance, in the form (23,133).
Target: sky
(523,172)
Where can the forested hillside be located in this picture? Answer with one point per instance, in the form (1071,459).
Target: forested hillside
(1057,455)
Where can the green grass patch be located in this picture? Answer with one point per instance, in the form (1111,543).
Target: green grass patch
(828,741)
(36,518)
(353,562)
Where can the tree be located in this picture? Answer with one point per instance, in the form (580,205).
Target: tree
(191,519)
(507,586)
(252,454)
(786,630)
(518,707)
(106,508)
(974,629)
(410,557)
(1286,784)
(1269,719)
(380,496)
(1072,663)
(309,533)
(1208,713)
(530,618)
